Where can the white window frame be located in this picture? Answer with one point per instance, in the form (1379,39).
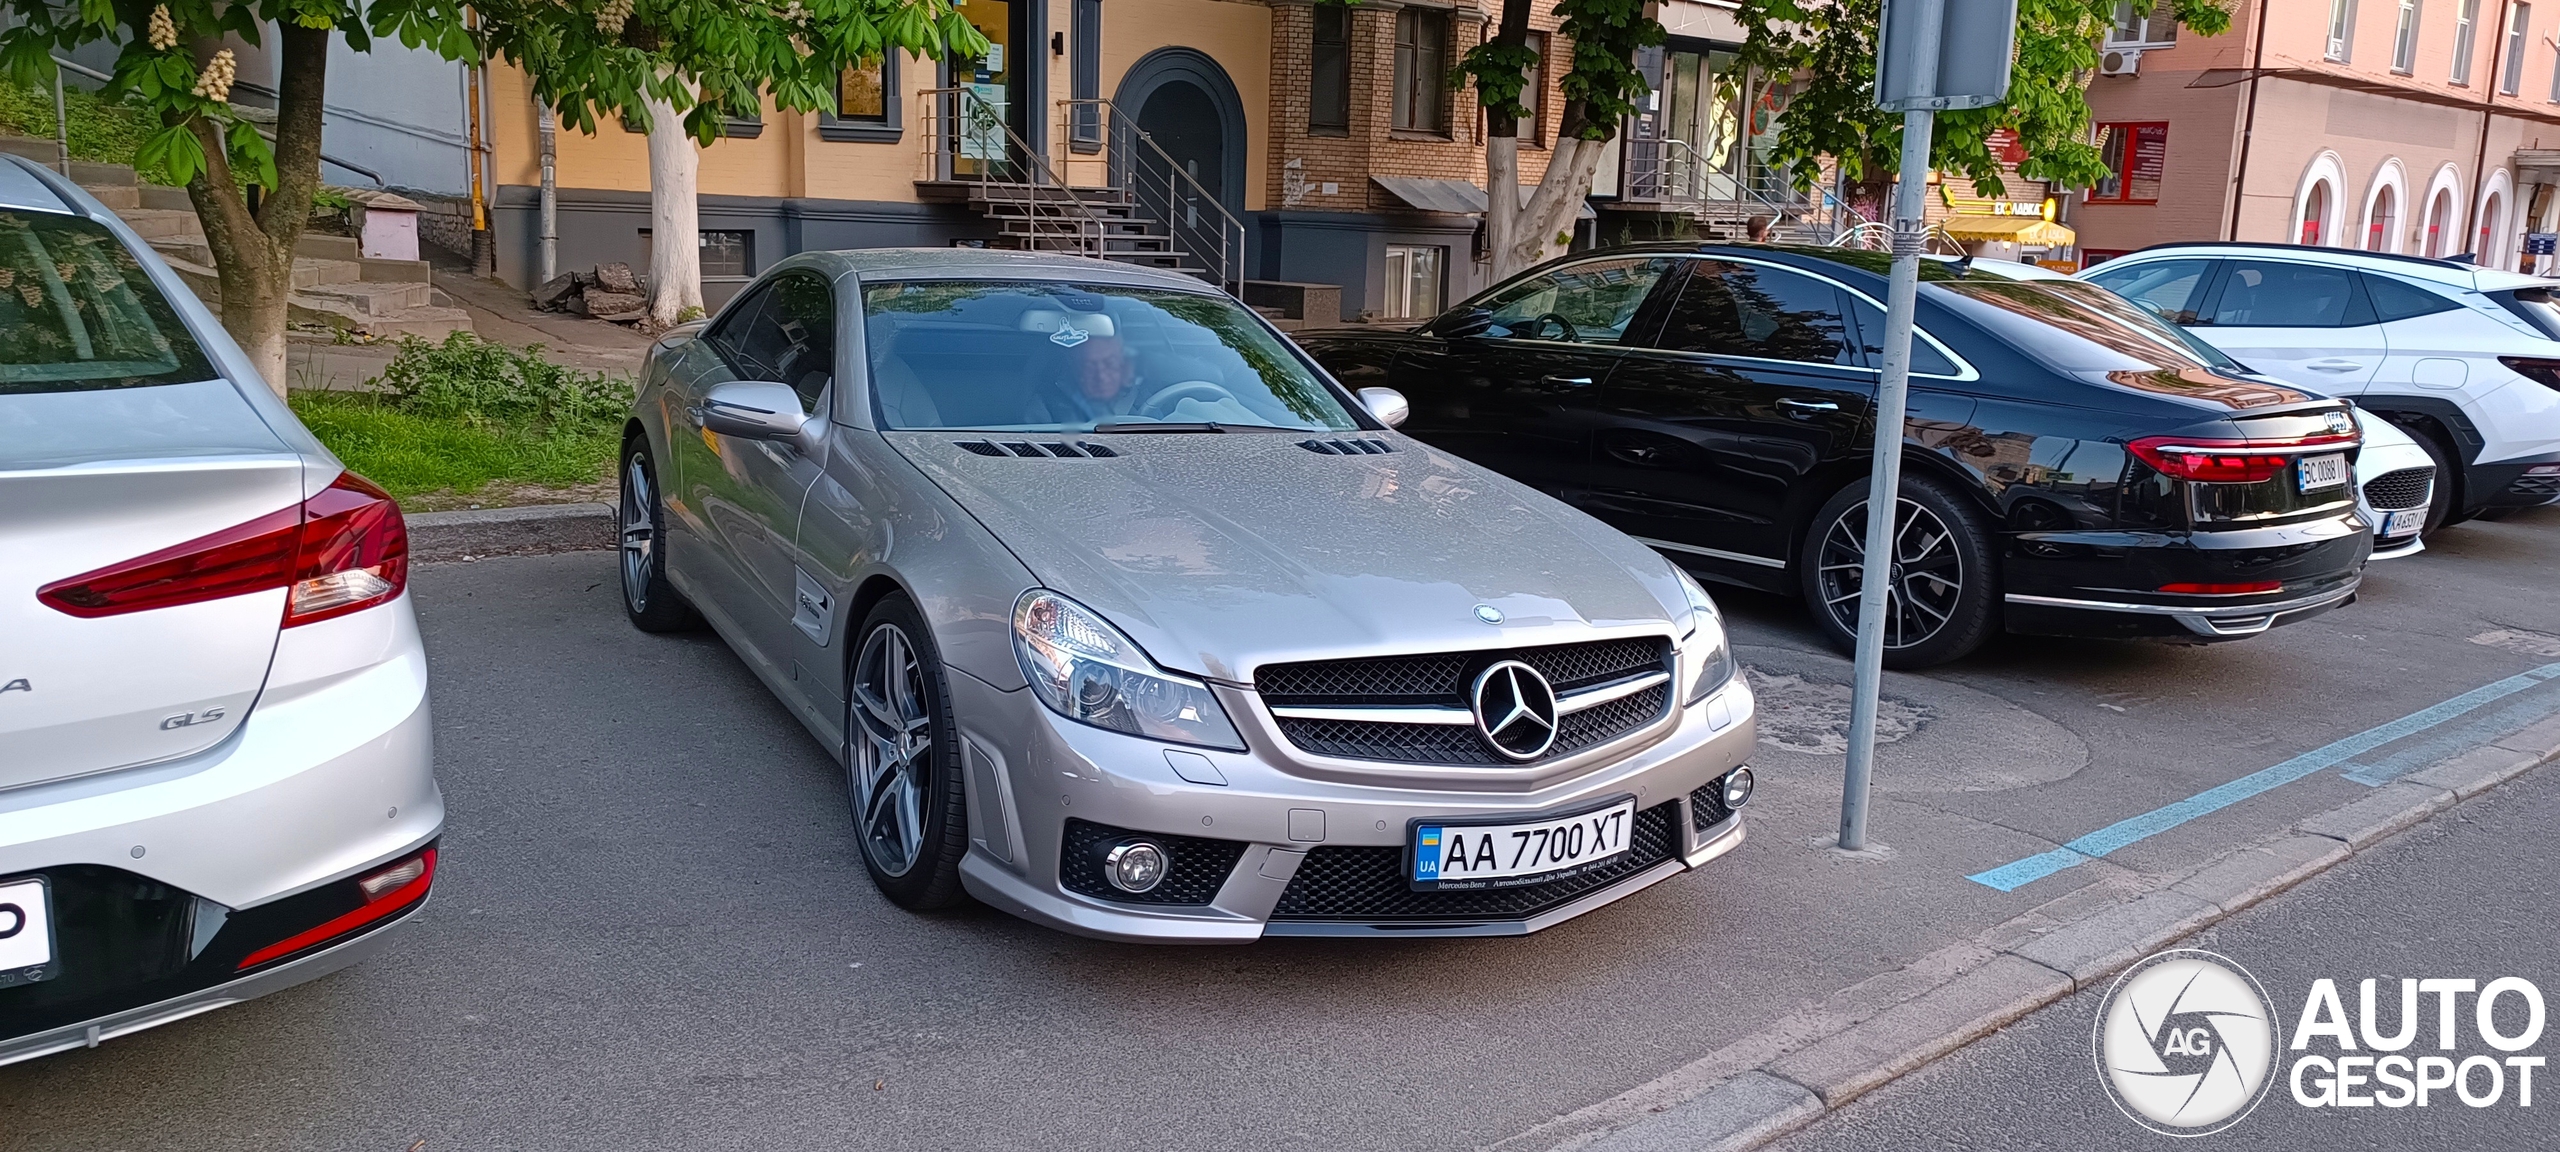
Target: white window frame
(2511,61)
(2466,22)
(2404,39)
(1398,273)
(2128,31)
(2342,29)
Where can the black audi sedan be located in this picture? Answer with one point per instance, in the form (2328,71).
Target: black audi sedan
(2072,465)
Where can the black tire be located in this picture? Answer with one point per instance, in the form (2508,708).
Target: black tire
(1932,617)
(653,604)
(915,860)
(2440,500)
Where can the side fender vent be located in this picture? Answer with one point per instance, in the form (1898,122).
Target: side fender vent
(1347,447)
(981,447)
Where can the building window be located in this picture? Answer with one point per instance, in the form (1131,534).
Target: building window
(1414,276)
(2511,77)
(1533,94)
(727,254)
(1422,71)
(2463,21)
(2555,78)
(1329,73)
(866,103)
(1084,74)
(2342,28)
(2137,156)
(2404,39)
(2158,29)
(2315,214)
(2382,221)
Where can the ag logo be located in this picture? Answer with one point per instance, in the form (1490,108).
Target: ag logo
(2186,1043)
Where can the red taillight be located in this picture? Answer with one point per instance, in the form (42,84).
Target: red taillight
(339,551)
(2540,371)
(386,892)
(2229,461)
(2226,589)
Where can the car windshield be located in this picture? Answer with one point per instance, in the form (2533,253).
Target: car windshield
(77,312)
(2080,327)
(1058,357)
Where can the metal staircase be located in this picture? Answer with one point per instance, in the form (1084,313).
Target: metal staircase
(1137,206)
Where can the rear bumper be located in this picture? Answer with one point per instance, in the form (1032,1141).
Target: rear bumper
(2524,483)
(166,878)
(2106,584)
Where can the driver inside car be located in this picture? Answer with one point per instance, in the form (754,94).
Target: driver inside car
(1095,382)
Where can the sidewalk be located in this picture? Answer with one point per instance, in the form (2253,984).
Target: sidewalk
(499,314)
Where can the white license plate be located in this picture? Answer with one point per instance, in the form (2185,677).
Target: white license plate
(2403,522)
(2318,472)
(1460,856)
(26,932)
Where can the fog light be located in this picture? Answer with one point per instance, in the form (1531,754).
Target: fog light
(1737,788)
(1137,866)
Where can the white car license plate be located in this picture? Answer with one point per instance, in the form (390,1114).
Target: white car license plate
(26,932)
(2318,472)
(2403,522)
(1461,856)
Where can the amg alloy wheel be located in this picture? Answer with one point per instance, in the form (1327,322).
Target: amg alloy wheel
(1938,603)
(902,766)
(653,604)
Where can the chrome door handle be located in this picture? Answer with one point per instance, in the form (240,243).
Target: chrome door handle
(2334,365)
(1567,381)
(1807,406)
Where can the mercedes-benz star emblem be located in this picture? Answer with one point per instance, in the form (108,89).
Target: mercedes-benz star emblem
(1515,710)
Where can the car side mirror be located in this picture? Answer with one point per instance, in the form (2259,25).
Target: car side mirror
(1387,404)
(1463,323)
(752,410)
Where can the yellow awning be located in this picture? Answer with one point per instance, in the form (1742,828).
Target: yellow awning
(2028,230)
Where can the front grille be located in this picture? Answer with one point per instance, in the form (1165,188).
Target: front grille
(1369,884)
(1706,805)
(1443,679)
(2406,488)
(1195,867)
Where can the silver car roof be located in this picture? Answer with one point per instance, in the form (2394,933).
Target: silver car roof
(1000,264)
(2406,267)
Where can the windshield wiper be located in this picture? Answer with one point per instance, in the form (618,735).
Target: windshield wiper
(1196,426)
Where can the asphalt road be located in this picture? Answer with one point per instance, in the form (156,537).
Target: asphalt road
(2451,898)
(651,930)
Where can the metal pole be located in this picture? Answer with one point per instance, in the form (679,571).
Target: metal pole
(1884,488)
(61,126)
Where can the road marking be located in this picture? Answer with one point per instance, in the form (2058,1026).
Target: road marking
(2454,739)
(2011,876)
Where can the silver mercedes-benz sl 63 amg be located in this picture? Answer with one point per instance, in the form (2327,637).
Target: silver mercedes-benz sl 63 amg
(1125,618)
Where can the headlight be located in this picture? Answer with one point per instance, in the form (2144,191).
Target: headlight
(1706,645)
(1085,670)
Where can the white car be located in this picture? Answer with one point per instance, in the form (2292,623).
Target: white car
(2395,485)
(214,760)
(2465,359)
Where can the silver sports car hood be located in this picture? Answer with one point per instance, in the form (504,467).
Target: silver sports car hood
(1218,553)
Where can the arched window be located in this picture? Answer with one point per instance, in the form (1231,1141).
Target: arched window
(2443,227)
(2493,224)
(2315,213)
(2382,222)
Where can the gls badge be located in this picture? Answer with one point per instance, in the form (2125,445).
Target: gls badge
(190,719)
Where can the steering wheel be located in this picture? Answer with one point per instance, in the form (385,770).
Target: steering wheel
(1570,332)
(1163,402)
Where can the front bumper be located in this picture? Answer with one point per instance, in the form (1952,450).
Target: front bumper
(2104,584)
(167,877)
(1287,821)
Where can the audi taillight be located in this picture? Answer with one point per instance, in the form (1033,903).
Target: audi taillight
(343,550)
(2230,461)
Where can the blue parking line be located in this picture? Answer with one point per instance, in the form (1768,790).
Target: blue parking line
(2011,876)
(2454,739)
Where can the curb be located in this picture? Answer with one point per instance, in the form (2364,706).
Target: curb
(525,531)
(1828,1053)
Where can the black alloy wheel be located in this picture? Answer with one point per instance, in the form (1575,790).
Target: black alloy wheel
(653,604)
(1939,605)
(2441,497)
(902,761)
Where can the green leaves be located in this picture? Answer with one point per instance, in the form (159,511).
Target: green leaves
(173,156)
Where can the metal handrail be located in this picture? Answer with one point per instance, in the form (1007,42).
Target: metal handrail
(1877,236)
(1126,146)
(1089,228)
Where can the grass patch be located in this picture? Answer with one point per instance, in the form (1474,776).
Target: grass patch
(463,414)
(104,131)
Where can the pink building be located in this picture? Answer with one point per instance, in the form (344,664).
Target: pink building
(2426,127)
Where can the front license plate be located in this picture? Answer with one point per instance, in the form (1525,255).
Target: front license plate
(2404,521)
(1450,856)
(2318,472)
(26,932)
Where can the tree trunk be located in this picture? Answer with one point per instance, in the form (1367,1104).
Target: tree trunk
(1502,157)
(253,252)
(1545,225)
(675,227)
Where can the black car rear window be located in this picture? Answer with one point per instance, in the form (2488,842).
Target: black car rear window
(2539,307)
(2079,327)
(77,312)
